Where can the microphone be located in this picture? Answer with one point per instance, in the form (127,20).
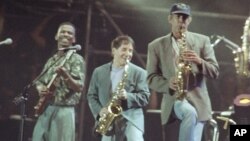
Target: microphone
(231,44)
(7,41)
(75,47)
(217,41)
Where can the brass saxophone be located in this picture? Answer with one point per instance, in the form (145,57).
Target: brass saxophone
(183,69)
(242,54)
(105,123)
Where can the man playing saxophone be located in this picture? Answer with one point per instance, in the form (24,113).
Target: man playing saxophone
(194,61)
(120,84)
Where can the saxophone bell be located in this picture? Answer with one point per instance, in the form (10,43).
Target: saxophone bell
(115,109)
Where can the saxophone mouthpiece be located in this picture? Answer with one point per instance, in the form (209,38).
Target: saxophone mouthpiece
(126,65)
(127,61)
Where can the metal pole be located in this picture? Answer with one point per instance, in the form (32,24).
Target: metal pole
(86,46)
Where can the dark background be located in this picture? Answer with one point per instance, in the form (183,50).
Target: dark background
(32,25)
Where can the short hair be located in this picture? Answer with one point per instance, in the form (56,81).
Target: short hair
(122,39)
(67,23)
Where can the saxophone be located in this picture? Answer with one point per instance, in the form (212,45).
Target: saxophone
(105,122)
(242,54)
(183,69)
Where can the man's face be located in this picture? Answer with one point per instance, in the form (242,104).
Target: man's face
(122,54)
(65,36)
(179,22)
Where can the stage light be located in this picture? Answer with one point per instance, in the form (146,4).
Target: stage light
(242,109)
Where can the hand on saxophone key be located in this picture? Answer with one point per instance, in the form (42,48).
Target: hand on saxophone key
(173,83)
(191,56)
(122,94)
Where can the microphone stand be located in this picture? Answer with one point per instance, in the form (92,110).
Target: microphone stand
(231,45)
(22,99)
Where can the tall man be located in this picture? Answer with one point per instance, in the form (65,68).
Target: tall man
(163,60)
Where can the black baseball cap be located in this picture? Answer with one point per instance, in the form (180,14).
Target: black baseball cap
(180,8)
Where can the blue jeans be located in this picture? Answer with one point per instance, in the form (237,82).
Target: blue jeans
(125,130)
(55,124)
(190,128)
